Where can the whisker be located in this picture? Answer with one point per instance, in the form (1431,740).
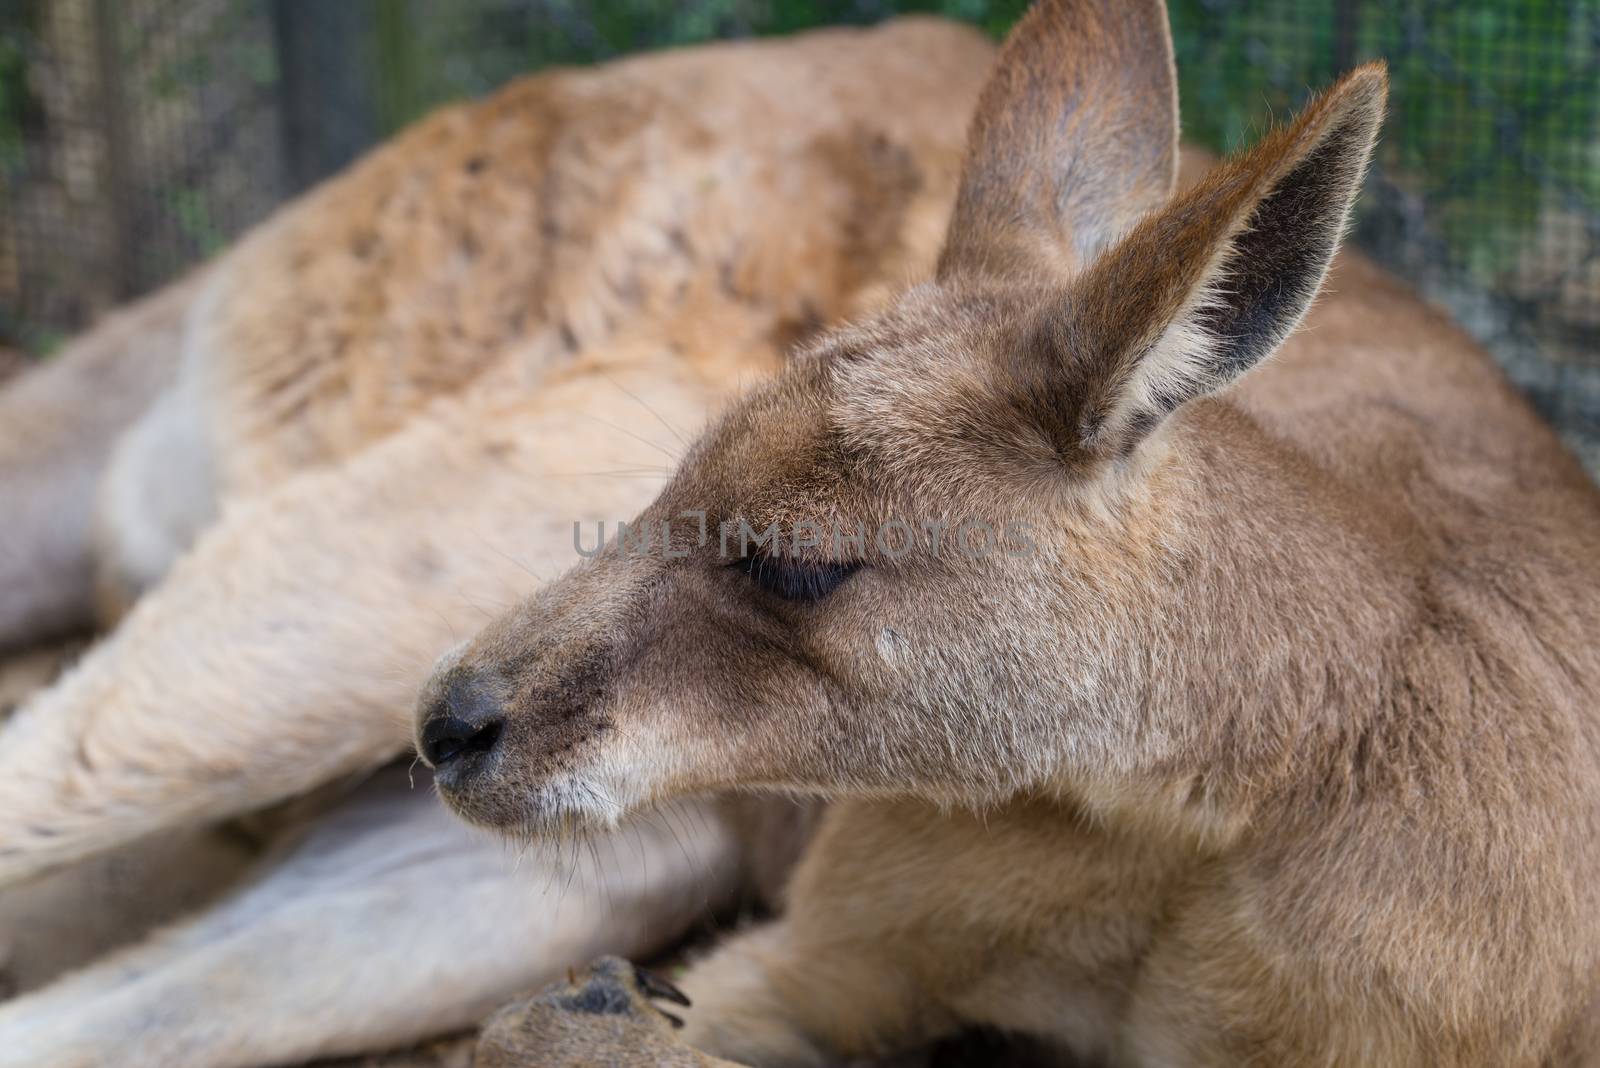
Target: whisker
(641,402)
(663,450)
(620,472)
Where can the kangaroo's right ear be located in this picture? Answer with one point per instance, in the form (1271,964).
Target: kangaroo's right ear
(1203,290)
(1075,137)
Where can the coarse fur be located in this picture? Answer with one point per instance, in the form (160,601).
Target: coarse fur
(1269,734)
(290,482)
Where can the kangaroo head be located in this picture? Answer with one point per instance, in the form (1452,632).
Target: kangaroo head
(945,552)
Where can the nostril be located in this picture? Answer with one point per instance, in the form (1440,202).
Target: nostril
(462,717)
(447,737)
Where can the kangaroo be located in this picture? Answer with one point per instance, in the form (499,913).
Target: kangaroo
(287,483)
(1262,725)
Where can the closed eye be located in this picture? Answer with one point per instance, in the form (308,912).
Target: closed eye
(801,581)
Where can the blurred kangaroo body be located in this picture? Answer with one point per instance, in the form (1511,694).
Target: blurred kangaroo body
(1275,741)
(290,481)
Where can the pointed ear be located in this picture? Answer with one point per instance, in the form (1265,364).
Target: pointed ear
(1203,290)
(1075,137)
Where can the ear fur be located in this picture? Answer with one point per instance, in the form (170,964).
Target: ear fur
(1203,290)
(1075,137)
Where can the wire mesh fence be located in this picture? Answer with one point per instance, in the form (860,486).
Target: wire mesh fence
(140,136)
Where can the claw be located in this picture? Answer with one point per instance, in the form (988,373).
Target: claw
(655,986)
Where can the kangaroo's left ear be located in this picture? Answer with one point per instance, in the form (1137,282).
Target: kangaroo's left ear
(1210,285)
(1074,138)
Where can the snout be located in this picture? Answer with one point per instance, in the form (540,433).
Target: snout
(459,728)
(520,723)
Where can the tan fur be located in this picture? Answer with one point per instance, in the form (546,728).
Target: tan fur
(1277,745)
(517,237)
(390,406)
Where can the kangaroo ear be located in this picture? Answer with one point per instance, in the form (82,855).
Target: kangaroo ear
(1203,290)
(1075,137)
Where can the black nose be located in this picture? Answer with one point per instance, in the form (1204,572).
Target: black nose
(466,722)
(446,737)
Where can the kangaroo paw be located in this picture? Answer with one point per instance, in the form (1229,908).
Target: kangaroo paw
(608,1014)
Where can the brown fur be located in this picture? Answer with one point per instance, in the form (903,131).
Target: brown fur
(1069,63)
(1279,746)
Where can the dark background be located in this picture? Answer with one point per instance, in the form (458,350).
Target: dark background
(140,136)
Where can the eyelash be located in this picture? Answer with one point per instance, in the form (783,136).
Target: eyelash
(793,580)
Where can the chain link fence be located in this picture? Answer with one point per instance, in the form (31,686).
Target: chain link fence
(140,136)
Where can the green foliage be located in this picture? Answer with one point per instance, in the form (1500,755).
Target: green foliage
(193,211)
(1493,108)
(1233,79)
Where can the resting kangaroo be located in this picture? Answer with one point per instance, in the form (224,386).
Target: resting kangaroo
(1266,731)
(344,445)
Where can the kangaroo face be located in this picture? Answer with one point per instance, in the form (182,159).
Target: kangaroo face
(941,553)
(802,603)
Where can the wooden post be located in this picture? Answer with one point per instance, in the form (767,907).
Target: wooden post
(329,114)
